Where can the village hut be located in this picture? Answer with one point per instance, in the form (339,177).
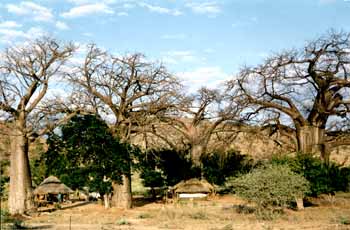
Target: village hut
(193,188)
(51,190)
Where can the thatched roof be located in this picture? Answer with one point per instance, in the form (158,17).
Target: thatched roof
(52,185)
(193,186)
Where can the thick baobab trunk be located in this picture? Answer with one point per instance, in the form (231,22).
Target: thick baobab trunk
(122,196)
(106,201)
(20,193)
(196,154)
(311,140)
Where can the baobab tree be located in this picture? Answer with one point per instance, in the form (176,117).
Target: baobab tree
(196,119)
(302,92)
(25,73)
(128,90)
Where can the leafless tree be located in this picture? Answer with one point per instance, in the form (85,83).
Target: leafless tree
(129,91)
(302,92)
(197,119)
(25,73)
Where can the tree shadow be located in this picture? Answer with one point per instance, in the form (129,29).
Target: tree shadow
(140,201)
(83,203)
(73,205)
(34,227)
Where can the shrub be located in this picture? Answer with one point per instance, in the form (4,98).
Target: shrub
(166,167)
(123,221)
(218,166)
(5,216)
(323,178)
(272,186)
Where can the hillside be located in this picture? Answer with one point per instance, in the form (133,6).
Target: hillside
(248,140)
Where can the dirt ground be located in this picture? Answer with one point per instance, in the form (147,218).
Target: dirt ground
(217,213)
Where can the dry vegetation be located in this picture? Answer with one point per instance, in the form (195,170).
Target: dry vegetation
(215,213)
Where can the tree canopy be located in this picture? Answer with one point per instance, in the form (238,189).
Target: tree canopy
(302,92)
(85,153)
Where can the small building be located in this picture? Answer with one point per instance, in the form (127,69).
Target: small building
(51,190)
(193,188)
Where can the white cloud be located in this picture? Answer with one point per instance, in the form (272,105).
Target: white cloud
(209,8)
(175,57)
(10,24)
(84,10)
(61,25)
(84,2)
(7,34)
(128,6)
(204,76)
(161,10)
(174,36)
(10,35)
(32,10)
(35,32)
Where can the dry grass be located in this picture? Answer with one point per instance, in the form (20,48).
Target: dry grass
(213,214)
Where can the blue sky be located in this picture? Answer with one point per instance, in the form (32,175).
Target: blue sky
(203,41)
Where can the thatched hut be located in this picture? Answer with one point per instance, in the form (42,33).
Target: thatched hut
(51,189)
(193,188)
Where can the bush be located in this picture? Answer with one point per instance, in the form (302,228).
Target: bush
(218,166)
(272,186)
(166,167)
(323,178)
(5,216)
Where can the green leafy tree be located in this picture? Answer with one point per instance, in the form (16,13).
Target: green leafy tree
(85,153)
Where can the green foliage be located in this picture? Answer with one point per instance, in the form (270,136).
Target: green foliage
(271,186)
(218,166)
(152,178)
(37,166)
(123,221)
(4,179)
(5,216)
(13,222)
(86,153)
(323,178)
(344,220)
(166,167)
(38,170)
